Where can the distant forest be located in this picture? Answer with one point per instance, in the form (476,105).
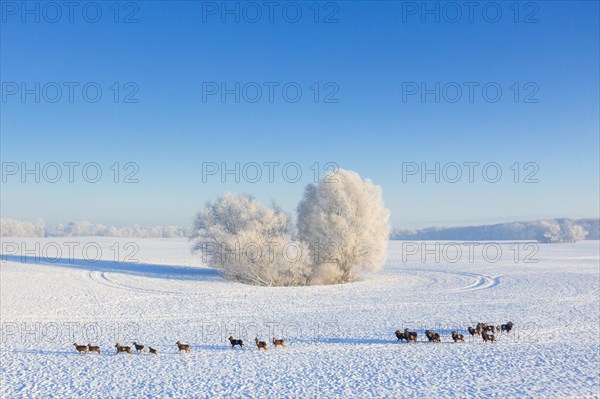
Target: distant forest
(550,231)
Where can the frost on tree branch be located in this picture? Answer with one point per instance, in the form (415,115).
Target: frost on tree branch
(345,224)
(343,227)
(249,242)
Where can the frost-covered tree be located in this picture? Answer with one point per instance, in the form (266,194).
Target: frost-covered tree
(79,228)
(571,231)
(249,242)
(17,228)
(171,231)
(345,224)
(551,230)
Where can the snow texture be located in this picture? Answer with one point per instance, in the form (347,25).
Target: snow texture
(340,338)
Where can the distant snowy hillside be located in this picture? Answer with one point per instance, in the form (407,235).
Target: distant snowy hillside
(553,230)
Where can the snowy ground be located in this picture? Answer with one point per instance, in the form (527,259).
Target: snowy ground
(340,338)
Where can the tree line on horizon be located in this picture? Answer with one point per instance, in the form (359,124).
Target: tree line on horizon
(546,231)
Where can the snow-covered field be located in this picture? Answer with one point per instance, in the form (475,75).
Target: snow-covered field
(340,339)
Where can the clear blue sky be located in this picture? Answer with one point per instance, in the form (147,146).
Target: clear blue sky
(369,54)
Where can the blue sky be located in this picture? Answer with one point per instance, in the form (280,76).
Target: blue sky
(363,58)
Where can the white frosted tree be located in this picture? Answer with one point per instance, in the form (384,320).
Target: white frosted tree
(113,232)
(17,228)
(59,230)
(79,228)
(571,231)
(249,242)
(171,231)
(345,224)
(551,230)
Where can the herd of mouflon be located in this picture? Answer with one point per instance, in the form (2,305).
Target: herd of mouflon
(83,349)
(484,330)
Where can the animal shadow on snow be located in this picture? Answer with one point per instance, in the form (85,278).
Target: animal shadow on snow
(45,352)
(375,341)
(216,347)
(353,341)
(131,268)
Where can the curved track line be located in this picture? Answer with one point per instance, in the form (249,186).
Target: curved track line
(478,281)
(104,279)
(481,282)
